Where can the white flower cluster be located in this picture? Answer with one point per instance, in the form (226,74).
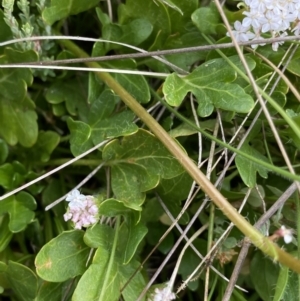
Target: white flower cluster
(273,16)
(162,294)
(82,211)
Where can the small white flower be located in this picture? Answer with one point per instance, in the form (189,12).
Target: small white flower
(252,19)
(287,234)
(162,294)
(241,33)
(67,216)
(270,22)
(78,225)
(73,195)
(259,38)
(75,216)
(75,198)
(275,45)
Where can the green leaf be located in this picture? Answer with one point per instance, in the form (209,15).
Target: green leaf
(152,211)
(287,286)
(98,271)
(52,291)
(46,143)
(190,261)
(99,236)
(95,86)
(62,258)
(3,267)
(290,133)
(17,124)
(137,164)
(59,109)
(181,23)
(22,280)
(72,92)
(118,125)
(248,169)
(102,107)
(281,284)
(3,151)
(136,31)
(172,5)
(132,232)
(17,117)
(5,234)
(20,210)
(230,243)
(172,197)
(113,207)
(137,283)
(291,292)
(175,209)
(264,274)
(190,39)
(280,98)
(185,129)
(135,234)
(133,33)
(255,197)
(168,188)
(11,175)
(206,19)
(136,85)
(210,83)
(155,13)
(154,235)
(294,64)
(90,284)
(80,139)
(60,9)
(5,32)
(101,125)
(103,18)
(52,192)
(16,76)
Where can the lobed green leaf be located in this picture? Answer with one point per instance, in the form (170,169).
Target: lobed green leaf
(20,210)
(137,164)
(211,84)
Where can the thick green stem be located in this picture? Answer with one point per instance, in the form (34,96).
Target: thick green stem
(254,235)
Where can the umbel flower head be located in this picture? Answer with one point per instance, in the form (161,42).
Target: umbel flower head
(82,209)
(268,16)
